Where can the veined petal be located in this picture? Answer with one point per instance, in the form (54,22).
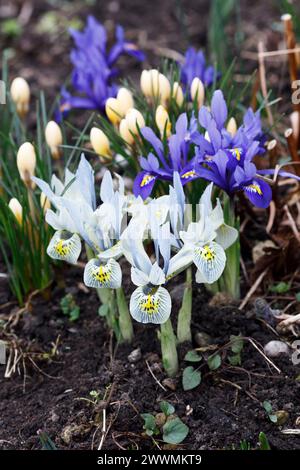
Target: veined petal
(65,246)
(226,236)
(114,252)
(259,193)
(150,305)
(210,259)
(98,274)
(180,261)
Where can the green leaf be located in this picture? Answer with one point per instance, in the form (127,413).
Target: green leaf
(150,424)
(267,406)
(263,441)
(298,296)
(235,360)
(103,310)
(273,418)
(167,408)
(175,431)
(191,378)
(192,356)
(214,361)
(281,287)
(237,344)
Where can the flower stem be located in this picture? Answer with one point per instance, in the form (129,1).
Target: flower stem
(125,323)
(184,332)
(168,348)
(231,274)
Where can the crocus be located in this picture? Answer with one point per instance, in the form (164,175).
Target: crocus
(20,94)
(94,67)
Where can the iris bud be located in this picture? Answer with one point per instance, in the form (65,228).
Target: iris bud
(134,119)
(20,94)
(16,209)
(177,93)
(26,162)
(113,110)
(197,91)
(54,139)
(125,133)
(232,126)
(125,99)
(100,142)
(163,121)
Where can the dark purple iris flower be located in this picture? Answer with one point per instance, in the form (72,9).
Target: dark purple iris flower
(194,65)
(158,165)
(94,67)
(226,160)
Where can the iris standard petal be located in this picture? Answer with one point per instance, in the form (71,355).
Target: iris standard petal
(65,246)
(150,305)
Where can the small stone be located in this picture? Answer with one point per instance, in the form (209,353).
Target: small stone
(135,356)
(160,419)
(202,339)
(170,384)
(282,417)
(276,348)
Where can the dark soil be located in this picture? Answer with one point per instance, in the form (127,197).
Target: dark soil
(48,393)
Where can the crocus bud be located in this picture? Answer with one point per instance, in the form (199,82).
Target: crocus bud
(26,161)
(100,142)
(113,110)
(232,126)
(16,209)
(146,81)
(125,133)
(163,121)
(295,123)
(54,139)
(134,120)
(155,84)
(20,94)
(164,88)
(177,94)
(197,91)
(125,99)
(44,202)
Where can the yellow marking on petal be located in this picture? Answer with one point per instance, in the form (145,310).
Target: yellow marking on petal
(146,180)
(149,305)
(207,253)
(61,248)
(255,188)
(102,274)
(236,152)
(188,174)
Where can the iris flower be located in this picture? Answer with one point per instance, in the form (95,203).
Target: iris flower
(226,160)
(159,165)
(194,65)
(94,67)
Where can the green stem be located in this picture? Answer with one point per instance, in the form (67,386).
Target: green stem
(231,274)
(125,322)
(184,332)
(168,348)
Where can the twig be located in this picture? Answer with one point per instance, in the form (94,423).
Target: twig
(155,378)
(264,356)
(253,289)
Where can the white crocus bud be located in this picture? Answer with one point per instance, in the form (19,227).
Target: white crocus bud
(177,94)
(54,139)
(26,162)
(16,209)
(20,94)
(164,91)
(134,120)
(155,85)
(114,110)
(100,142)
(125,133)
(44,202)
(232,126)
(197,91)
(125,99)
(295,122)
(163,121)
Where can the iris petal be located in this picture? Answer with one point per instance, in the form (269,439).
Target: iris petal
(99,275)
(150,305)
(210,260)
(65,246)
